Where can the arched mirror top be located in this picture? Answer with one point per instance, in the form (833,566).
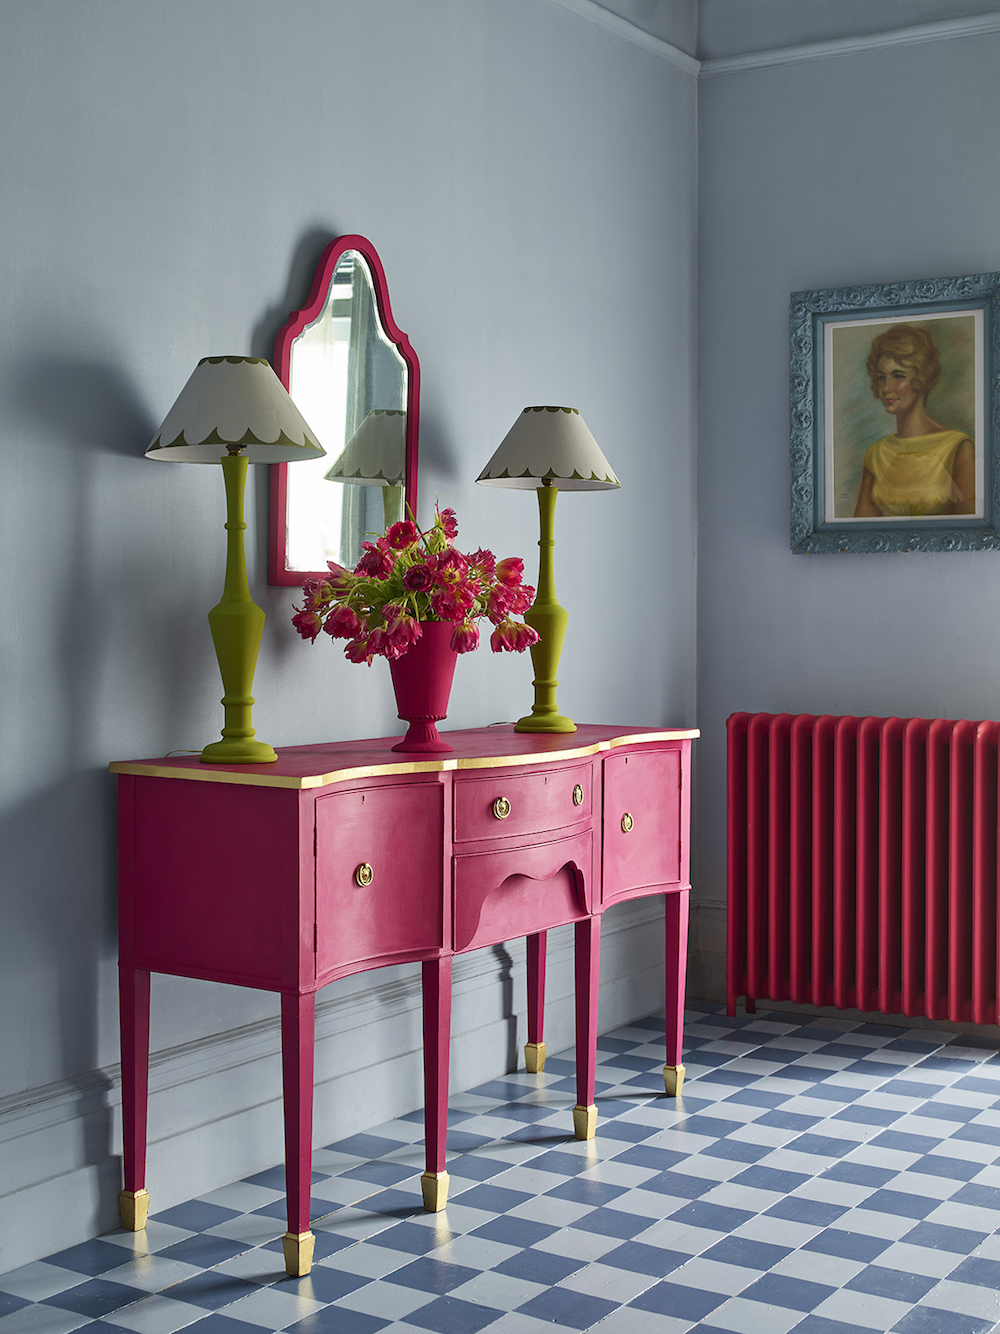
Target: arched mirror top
(354,376)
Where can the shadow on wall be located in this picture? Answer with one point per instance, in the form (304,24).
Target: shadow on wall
(92,406)
(59,924)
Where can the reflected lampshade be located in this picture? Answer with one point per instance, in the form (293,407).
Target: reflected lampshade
(376,452)
(549,446)
(230,402)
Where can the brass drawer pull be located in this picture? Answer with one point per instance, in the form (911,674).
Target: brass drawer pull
(501,808)
(364,875)
(578,795)
(627,823)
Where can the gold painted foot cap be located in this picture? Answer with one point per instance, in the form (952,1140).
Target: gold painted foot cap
(534,1057)
(435,1188)
(134,1208)
(673,1078)
(298,1248)
(584,1121)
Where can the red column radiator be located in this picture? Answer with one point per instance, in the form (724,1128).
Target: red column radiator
(862,864)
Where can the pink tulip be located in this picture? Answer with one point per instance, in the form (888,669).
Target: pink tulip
(343,623)
(483,562)
(418,579)
(452,602)
(523,597)
(357,651)
(375,563)
(308,623)
(448,523)
(341,579)
(378,642)
(402,535)
(449,564)
(512,637)
(401,628)
(498,607)
(465,637)
(509,570)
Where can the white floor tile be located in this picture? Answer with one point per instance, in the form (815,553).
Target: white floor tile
(37,1281)
(158,1314)
(497,1290)
(745,1317)
(966,1298)
(711,1276)
(862,1309)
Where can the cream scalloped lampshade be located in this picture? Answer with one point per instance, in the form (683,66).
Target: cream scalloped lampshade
(232,401)
(549,444)
(376,452)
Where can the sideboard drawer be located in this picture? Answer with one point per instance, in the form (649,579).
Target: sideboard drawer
(516,892)
(642,822)
(509,805)
(379,871)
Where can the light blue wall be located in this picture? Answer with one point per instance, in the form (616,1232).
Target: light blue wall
(171,172)
(880,166)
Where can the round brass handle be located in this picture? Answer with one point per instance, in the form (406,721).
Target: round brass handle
(501,808)
(578,795)
(364,875)
(627,823)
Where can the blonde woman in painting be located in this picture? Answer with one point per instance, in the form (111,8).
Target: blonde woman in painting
(922,468)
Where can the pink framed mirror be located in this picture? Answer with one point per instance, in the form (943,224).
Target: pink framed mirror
(355,378)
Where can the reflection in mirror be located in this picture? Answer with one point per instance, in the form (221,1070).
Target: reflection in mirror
(349,381)
(354,377)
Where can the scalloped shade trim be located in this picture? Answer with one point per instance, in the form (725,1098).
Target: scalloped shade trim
(234,401)
(549,444)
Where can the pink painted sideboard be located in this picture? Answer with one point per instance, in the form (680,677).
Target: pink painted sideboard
(346,857)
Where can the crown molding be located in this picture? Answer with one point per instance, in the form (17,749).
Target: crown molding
(976,26)
(848,46)
(603,18)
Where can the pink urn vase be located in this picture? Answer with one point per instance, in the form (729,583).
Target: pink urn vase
(422,680)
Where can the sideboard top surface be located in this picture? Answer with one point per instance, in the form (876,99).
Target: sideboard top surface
(343,761)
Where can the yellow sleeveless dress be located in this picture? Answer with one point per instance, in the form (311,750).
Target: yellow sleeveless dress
(914,475)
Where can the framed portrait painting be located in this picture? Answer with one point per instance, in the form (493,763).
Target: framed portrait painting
(895,408)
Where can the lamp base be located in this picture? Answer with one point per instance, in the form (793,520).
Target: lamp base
(238,750)
(545,722)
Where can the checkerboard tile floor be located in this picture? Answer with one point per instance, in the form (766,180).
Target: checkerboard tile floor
(818,1175)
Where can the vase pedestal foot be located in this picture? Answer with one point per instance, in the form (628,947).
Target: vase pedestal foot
(423,738)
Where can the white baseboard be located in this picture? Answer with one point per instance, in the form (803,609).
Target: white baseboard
(215,1103)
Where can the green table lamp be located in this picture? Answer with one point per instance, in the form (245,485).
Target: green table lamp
(235,411)
(548,449)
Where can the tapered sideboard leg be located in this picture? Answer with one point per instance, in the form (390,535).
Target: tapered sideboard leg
(534,1049)
(437,1044)
(133,991)
(588,974)
(298,1030)
(676,955)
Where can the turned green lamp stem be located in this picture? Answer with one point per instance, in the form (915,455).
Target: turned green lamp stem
(236,623)
(550,620)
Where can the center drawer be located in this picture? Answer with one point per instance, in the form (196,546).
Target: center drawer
(511,805)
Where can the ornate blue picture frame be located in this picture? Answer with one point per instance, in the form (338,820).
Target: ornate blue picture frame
(895,417)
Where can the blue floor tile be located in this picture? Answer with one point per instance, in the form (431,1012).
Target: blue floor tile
(562,1306)
(539,1266)
(97,1297)
(678,1300)
(450,1315)
(796,1294)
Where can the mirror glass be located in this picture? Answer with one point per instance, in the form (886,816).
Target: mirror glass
(354,380)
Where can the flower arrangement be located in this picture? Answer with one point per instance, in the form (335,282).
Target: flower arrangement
(406,578)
